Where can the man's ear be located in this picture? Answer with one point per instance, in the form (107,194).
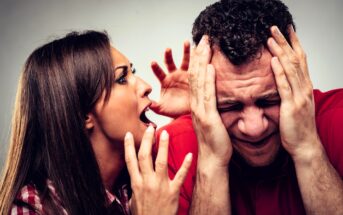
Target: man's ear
(89,121)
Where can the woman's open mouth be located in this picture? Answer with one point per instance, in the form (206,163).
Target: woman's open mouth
(145,119)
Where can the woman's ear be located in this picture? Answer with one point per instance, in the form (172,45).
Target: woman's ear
(89,121)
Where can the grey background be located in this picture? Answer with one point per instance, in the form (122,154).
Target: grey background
(142,30)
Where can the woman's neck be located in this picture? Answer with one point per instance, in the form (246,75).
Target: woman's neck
(110,159)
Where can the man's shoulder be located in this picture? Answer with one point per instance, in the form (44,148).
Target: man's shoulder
(329,115)
(328,102)
(329,121)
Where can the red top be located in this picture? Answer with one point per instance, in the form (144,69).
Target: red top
(265,190)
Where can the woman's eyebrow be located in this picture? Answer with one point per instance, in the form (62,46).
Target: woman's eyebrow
(125,67)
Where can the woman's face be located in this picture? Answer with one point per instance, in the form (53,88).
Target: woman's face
(125,109)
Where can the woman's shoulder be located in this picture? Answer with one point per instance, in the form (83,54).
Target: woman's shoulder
(27,201)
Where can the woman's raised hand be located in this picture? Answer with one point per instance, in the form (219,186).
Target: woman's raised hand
(153,191)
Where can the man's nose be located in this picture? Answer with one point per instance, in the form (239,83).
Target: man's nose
(253,122)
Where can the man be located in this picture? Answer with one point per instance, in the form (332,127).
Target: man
(266,143)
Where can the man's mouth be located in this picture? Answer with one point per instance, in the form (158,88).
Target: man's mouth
(145,119)
(253,143)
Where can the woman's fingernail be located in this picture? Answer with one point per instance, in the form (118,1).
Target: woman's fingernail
(150,129)
(164,135)
(128,135)
(189,156)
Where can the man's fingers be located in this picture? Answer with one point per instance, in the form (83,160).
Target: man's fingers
(144,154)
(130,157)
(300,53)
(289,63)
(158,71)
(192,79)
(182,173)
(281,40)
(202,53)
(283,87)
(169,61)
(186,56)
(161,163)
(294,40)
(210,91)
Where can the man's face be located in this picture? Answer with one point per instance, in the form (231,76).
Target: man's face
(249,105)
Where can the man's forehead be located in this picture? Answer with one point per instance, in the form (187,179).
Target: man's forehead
(260,60)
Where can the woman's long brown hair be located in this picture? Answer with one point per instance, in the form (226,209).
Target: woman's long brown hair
(59,85)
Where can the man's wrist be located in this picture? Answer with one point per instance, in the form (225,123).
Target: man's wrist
(305,156)
(212,162)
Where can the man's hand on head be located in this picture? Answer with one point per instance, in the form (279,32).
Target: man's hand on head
(297,115)
(214,143)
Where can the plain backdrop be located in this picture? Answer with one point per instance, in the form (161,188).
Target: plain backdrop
(142,30)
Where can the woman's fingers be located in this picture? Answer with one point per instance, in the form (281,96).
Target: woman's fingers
(169,61)
(144,154)
(182,173)
(158,71)
(161,163)
(186,56)
(131,157)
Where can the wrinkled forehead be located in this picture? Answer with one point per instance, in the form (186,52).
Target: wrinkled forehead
(247,80)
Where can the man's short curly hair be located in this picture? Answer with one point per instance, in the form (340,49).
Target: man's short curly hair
(241,27)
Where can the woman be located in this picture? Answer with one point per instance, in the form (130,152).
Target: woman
(76,100)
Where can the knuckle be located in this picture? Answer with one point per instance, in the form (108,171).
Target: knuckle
(205,122)
(151,188)
(161,164)
(193,107)
(301,104)
(135,186)
(309,91)
(303,55)
(192,74)
(142,156)
(294,60)
(128,160)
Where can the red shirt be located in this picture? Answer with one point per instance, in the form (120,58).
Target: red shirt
(265,190)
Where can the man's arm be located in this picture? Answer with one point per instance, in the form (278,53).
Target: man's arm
(320,185)
(211,192)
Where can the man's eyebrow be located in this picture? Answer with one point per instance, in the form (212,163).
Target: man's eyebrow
(228,102)
(271,95)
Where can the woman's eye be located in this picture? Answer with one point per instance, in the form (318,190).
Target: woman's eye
(122,78)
